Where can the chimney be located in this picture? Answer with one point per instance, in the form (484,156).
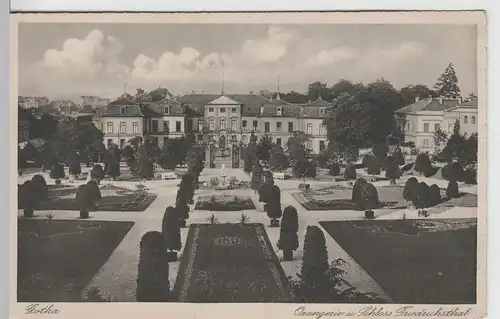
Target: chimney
(440,100)
(417,98)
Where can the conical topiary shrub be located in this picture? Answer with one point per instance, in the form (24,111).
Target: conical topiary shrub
(84,200)
(350,173)
(289,240)
(422,198)
(356,189)
(435,195)
(409,190)
(452,190)
(171,232)
(57,172)
(315,257)
(152,278)
(274,205)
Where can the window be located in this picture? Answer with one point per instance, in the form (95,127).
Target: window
(466,119)
(123,110)
(234,138)
(279,111)
(135,127)
(223,110)
(407,127)
(178,126)
(155,126)
(255,125)
(211,124)
(322,111)
(167,109)
(426,143)
(309,128)
(166,127)
(437,127)
(426,127)
(200,125)
(309,145)
(200,139)
(123,127)
(473,120)
(290,127)
(278,141)
(233,124)
(234,110)
(122,143)
(110,141)
(244,124)
(278,126)
(210,110)
(110,128)
(450,128)
(321,145)
(266,127)
(244,139)
(322,129)
(222,124)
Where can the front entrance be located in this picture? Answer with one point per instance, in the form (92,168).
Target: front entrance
(222,142)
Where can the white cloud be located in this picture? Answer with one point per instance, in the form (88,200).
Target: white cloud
(269,49)
(331,56)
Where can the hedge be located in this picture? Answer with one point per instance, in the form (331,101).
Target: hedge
(350,173)
(452,190)
(409,190)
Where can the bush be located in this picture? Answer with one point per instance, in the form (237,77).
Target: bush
(374,167)
(392,171)
(435,195)
(422,197)
(399,156)
(274,203)
(452,190)
(304,168)
(94,192)
(423,164)
(409,191)
(289,239)
(367,159)
(97,172)
(470,176)
(74,164)
(315,257)
(350,173)
(265,190)
(356,189)
(368,198)
(57,171)
(334,169)
(40,187)
(256,176)
(27,198)
(171,229)
(152,278)
(453,172)
(84,200)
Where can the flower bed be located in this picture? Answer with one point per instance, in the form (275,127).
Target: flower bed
(224,203)
(230,263)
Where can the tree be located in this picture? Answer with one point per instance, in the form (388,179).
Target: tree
(367,160)
(97,173)
(455,146)
(83,200)
(289,240)
(350,173)
(278,160)
(273,207)
(356,189)
(334,169)
(435,195)
(410,92)
(304,168)
(470,152)
(423,164)
(315,257)
(470,175)
(343,87)
(113,158)
(57,172)
(264,147)
(447,84)
(409,189)
(146,169)
(27,198)
(159,94)
(266,186)
(374,167)
(318,89)
(399,156)
(250,155)
(452,190)
(74,164)
(392,171)
(171,229)
(296,146)
(152,278)
(256,176)
(380,151)
(440,138)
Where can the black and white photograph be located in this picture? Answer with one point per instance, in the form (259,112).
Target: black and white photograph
(250,162)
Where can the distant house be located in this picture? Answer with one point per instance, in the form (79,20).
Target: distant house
(93,101)
(422,118)
(30,102)
(64,106)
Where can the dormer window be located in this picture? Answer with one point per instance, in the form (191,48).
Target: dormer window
(167,110)
(322,111)
(279,111)
(123,110)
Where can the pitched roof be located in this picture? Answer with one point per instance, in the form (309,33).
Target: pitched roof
(313,112)
(122,101)
(319,102)
(472,103)
(176,108)
(128,110)
(428,105)
(270,110)
(197,102)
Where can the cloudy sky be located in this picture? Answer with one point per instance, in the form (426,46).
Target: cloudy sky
(68,60)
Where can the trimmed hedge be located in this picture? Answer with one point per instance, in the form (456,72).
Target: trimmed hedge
(171,229)
(57,171)
(274,203)
(409,192)
(315,257)
(97,172)
(289,239)
(334,169)
(435,195)
(84,200)
(350,173)
(41,187)
(470,176)
(94,191)
(368,198)
(453,172)
(423,164)
(152,278)
(422,198)
(356,189)
(452,190)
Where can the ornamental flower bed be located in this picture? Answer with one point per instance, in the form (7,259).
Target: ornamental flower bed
(224,203)
(230,263)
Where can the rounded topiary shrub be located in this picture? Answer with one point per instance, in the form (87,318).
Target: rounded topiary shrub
(453,172)
(350,173)
(368,199)
(94,191)
(274,204)
(83,200)
(423,164)
(152,277)
(374,167)
(410,189)
(27,198)
(356,189)
(452,190)
(315,256)
(367,159)
(57,172)
(97,172)
(470,176)
(334,169)
(435,195)
(41,186)
(422,196)
(392,171)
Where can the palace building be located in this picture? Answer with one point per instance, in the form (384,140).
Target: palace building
(223,121)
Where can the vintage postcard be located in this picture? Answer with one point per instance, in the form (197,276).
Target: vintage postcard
(267,165)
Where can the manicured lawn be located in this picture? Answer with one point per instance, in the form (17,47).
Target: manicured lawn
(230,263)
(57,260)
(107,203)
(224,203)
(426,261)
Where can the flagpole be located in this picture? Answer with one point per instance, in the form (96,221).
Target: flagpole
(222,74)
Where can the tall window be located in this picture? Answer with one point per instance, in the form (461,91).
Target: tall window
(223,110)
(167,109)
(178,126)
(278,141)
(122,143)
(279,111)
(135,127)
(426,127)
(255,125)
(321,145)
(322,111)
(200,125)
(123,110)
(450,128)
(233,110)
(210,110)
(437,127)
(211,124)
(266,127)
(309,128)
(473,120)
(244,124)
(466,119)
(290,127)
(123,127)
(278,126)
(110,128)
(322,129)
(222,124)
(233,124)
